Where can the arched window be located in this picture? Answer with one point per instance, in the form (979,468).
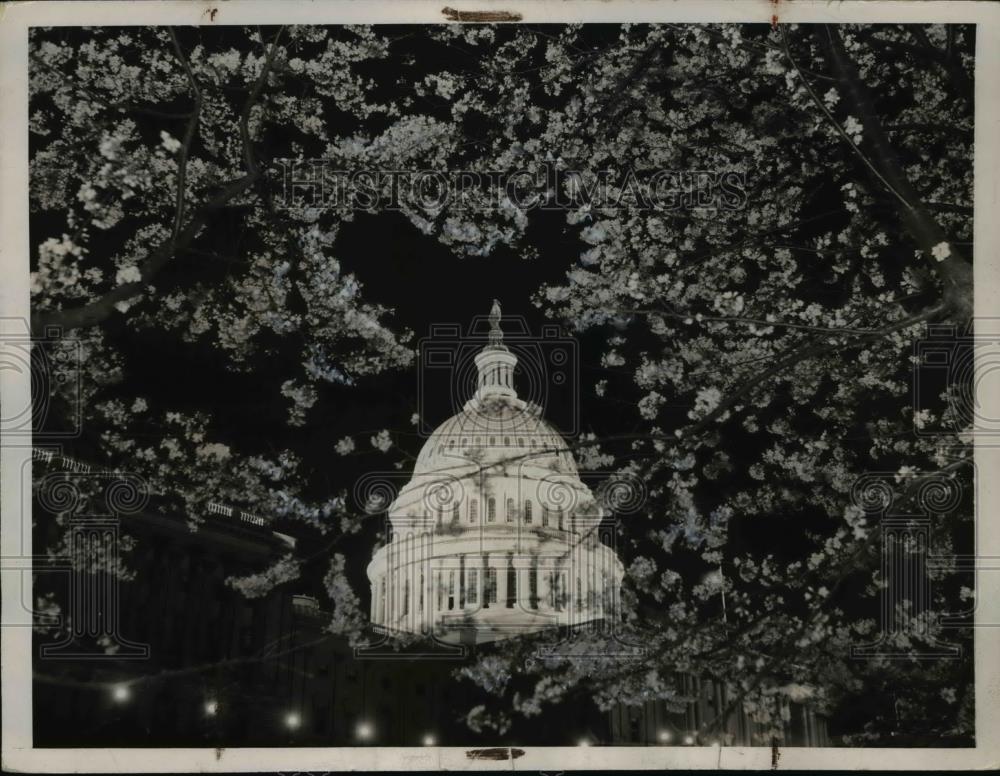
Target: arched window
(520,441)
(454,512)
(527,512)
(474,510)
(545,516)
(451,444)
(511,509)
(493,440)
(491,510)
(506,441)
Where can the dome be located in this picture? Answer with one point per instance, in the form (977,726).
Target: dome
(495,534)
(494,430)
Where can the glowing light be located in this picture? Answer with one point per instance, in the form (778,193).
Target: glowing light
(365,731)
(688,740)
(429,740)
(583,742)
(716,743)
(211,707)
(665,736)
(293,720)
(121,693)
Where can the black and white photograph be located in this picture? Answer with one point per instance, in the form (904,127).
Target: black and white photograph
(499,386)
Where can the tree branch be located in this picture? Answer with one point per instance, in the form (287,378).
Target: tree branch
(97,311)
(249,158)
(954,270)
(809,349)
(182,154)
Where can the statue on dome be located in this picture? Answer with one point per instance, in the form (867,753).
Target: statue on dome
(496,333)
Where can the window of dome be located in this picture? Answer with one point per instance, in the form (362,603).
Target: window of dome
(520,441)
(454,512)
(527,512)
(493,441)
(511,509)
(491,510)
(474,510)
(506,441)
(545,516)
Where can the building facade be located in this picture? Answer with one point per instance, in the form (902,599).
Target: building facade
(495,535)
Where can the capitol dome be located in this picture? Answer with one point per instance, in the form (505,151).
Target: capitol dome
(495,534)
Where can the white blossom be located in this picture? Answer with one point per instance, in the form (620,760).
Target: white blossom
(382,441)
(941,251)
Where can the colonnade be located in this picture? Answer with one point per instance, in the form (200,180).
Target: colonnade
(420,583)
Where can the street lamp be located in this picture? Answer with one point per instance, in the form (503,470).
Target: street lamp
(293,720)
(364,731)
(689,740)
(665,736)
(121,693)
(211,707)
(430,740)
